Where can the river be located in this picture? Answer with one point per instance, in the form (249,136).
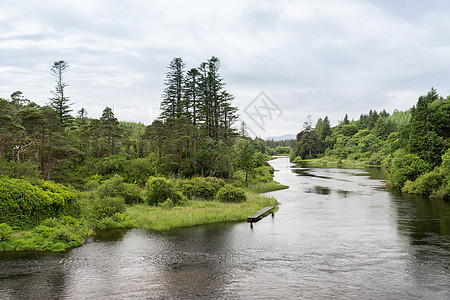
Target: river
(338,234)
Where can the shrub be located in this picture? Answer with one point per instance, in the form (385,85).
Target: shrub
(139,170)
(18,170)
(202,187)
(425,184)
(376,159)
(264,173)
(115,187)
(5,231)
(297,160)
(230,193)
(158,189)
(24,205)
(108,206)
(168,204)
(405,167)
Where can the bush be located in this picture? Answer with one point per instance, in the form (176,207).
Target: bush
(201,187)
(109,206)
(405,167)
(24,205)
(18,170)
(297,160)
(115,187)
(264,173)
(5,231)
(376,159)
(425,184)
(230,193)
(140,169)
(168,204)
(158,189)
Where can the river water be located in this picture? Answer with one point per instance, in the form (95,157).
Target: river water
(338,234)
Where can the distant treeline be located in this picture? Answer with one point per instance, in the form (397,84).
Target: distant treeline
(413,145)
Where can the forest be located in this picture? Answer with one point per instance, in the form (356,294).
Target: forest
(413,145)
(54,165)
(64,176)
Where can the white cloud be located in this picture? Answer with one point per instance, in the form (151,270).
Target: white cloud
(313,57)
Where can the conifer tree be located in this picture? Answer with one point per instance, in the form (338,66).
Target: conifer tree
(172,103)
(60,102)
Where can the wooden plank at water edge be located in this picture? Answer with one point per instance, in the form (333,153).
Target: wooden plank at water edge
(257,215)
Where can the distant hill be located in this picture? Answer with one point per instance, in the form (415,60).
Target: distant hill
(282,137)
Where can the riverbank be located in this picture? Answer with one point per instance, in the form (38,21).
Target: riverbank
(331,162)
(60,234)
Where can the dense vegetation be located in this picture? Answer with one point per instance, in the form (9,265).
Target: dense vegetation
(62,177)
(412,145)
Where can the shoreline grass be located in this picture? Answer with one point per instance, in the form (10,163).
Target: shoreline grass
(328,162)
(197,212)
(265,187)
(63,233)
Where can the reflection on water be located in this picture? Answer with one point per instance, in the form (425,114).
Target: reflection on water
(338,234)
(321,190)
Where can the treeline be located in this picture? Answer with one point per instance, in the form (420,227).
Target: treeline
(192,136)
(412,145)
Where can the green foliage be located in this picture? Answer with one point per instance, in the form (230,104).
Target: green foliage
(168,204)
(158,189)
(264,187)
(140,169)
(369,143)
(115,187)
(5,231)
(297,160)
(405,167)
(23,204)
(108,206)
(113,164)
(279,150)
(246,158)
(425,184)
(18,170)
(349,130)
(229,193)
(200,187)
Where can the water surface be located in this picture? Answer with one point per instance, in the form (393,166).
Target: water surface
(338,234)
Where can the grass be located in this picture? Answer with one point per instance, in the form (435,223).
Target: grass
(60,234)
(197,212)
(330,162)
(264,187)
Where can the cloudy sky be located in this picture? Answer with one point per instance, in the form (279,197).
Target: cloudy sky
(309,57)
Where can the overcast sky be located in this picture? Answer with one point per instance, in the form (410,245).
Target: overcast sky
(309,57)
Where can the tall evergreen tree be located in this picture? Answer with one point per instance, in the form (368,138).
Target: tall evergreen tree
(110,129)
(191,95)
(418,132)
(172,103)
(60,102)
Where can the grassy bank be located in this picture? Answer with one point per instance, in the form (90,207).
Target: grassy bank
(330,162)
(264,187)
(60,234)
(197,212)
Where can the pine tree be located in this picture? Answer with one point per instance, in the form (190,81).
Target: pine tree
(172,103)
(59,102)
(191,95)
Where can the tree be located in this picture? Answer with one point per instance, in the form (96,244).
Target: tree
(18,99)
(59,102)
(419,128)
(82,116)
(172,105)
(245,158)
(191,94)
(110,130)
